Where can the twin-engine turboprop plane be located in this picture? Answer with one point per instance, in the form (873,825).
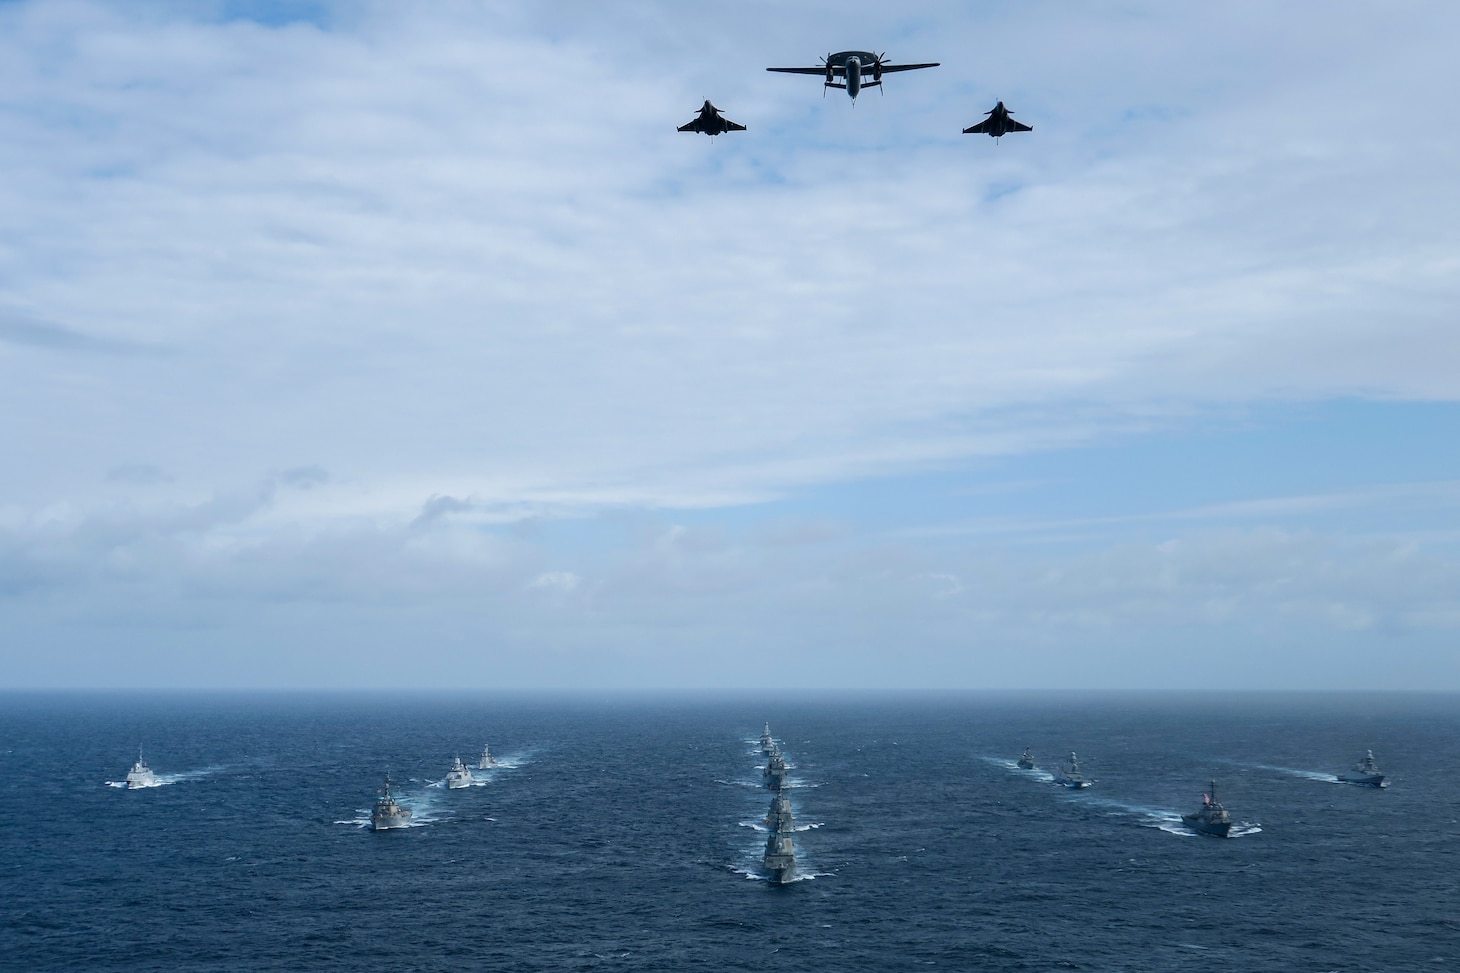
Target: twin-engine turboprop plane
(854,66)
(711,122)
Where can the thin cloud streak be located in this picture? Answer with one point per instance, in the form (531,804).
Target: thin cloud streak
(1439,496)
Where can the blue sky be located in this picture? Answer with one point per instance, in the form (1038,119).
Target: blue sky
(374,345)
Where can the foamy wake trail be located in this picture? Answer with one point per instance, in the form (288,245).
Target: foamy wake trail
(1013,766)
(164,779)
(1304,774)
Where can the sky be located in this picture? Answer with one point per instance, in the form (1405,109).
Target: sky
(407,345)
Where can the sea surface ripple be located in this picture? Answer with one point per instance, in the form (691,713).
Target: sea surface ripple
(618,834)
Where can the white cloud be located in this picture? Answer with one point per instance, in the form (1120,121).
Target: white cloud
(455,255)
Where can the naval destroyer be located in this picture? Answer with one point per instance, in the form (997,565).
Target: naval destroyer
(1070,775)
(1212,819)
(487,761)
(1365,772)
(780,850)
(387,813)
(767,742)
(140,775)
(1026,762)
(775,771)
(459,775)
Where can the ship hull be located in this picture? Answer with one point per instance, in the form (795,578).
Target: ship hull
(1363,780)
(390,823)
(780,870)
(1217,829)
(457,782)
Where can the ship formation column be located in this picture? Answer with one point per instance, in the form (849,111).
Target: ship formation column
(780,850)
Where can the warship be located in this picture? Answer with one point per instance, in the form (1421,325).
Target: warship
(487,761)
(780,850)
(1212,819)
(1365,772)
(767,742)
(459,775)
(140,775)
(779,817)
(1070,775)
(780,857)
(1026,762)
(775,771)
(387,813)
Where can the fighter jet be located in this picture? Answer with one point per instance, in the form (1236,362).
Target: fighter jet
(711,122)
(851,65)
(998,124)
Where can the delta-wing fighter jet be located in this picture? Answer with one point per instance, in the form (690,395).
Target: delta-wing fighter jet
(998,124)
(711,122)
(853,66)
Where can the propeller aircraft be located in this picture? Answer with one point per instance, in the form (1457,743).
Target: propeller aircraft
(853,66)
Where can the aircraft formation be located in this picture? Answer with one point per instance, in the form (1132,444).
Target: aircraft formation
(850,71)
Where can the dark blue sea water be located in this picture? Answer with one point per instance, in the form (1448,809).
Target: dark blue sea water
(621,835)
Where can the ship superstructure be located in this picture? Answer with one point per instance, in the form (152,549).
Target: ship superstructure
(1212,819)
(1070,774)
(141,775)
(459,775)
(775,770)
(1365,772)
(387,813)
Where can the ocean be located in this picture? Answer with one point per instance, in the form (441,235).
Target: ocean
(624,833)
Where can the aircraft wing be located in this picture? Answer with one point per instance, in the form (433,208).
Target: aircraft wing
(889,68)
(821,70)
(733,126)
(980,129)
(1019,126)
(693,126)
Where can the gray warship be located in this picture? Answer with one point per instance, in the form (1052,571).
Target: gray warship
(775,771)
(780,850)
(459,775)
(387,813)
(1026,762)
(1070,776)
(1365,772)
(1212,819)
(487,761)
(140,775)
(767,742)
(780,857)
(779,817)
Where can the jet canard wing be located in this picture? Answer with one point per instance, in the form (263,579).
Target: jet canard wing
(715,124)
